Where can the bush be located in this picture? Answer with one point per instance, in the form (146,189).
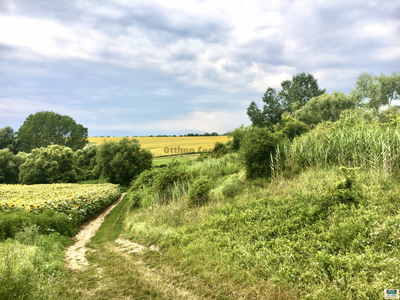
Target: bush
(198,194)
(86,162)
(54,164)
(237,136)
(48,222)
(135,199)
(232,187)
(257,148)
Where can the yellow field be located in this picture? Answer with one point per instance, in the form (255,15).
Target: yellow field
(160,146)
(83,199)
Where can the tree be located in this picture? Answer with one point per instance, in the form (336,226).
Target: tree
(86,162)
(295,94)
(377,91)
(7,139)
(325,108)
(9,165)
(48,128)
(54,164)
(291,127)
(299,91)
(237,136)
(121,162)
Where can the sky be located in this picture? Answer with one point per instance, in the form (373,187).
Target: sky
(132,68)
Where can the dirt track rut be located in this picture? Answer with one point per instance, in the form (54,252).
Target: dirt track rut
(75,254)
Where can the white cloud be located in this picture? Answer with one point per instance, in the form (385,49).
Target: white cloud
(48,38)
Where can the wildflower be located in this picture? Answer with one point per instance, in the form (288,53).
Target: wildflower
(38,206)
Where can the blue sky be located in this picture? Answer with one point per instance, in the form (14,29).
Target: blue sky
(126,67)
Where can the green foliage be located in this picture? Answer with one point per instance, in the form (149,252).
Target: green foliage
(121,162)
(346,190)
(165,179)
(31,267)
(48,128)
(237,136)
(272,110)
(291,170)
(325,233)
(9,165)
(198,194)
(135,199)
(232,187)
(371,147)
(257,149)
(325,107)
(86,163)
(377,91)
(48,221)
(294,95)
(8,140)
(54,164)
(220,149)
(291,127)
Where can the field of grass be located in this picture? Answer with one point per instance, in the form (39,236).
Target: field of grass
(162,146)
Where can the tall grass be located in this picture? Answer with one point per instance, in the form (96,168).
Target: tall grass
(372,148)
(31,265)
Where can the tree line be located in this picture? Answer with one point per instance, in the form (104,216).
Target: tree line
(49,148)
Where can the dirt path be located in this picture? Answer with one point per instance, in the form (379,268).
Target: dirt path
(75,254)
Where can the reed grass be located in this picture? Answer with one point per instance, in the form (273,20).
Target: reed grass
(374,148)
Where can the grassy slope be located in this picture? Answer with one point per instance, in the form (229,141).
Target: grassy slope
(303,236)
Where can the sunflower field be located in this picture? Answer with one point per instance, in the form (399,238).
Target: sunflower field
(74,200)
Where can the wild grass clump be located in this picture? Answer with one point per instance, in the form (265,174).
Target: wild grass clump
(31,266)
(199,190)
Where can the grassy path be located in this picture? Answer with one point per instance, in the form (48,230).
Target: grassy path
(114,272)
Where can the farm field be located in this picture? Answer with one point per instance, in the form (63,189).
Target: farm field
(80,199)
(161,146)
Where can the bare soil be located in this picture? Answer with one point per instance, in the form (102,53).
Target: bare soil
(75,254)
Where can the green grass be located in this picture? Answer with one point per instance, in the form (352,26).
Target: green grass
(112,225)
(167,160)
(308,236)
(31,266)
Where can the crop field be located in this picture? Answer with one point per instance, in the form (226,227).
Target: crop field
(79,199)
(162,146)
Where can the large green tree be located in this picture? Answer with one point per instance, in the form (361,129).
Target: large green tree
(8,140)
(377,91)
(9,165)
(48,128)
(121,162)
(326,107)
(294,94)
